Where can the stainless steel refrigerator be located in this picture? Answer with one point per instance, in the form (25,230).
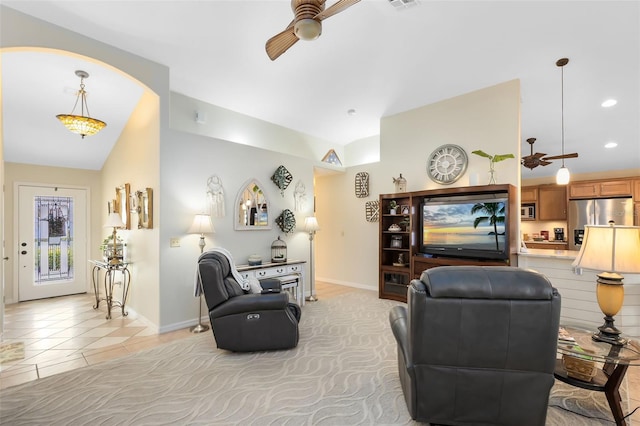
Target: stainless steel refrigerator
(596,212)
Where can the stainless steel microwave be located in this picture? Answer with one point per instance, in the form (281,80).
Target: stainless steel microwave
(528,212)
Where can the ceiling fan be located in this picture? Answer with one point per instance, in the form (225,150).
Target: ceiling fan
(538,159)
(306,24)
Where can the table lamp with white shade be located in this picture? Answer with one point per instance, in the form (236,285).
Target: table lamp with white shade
(311,226)
(614,250)
(114,221)
(201,225)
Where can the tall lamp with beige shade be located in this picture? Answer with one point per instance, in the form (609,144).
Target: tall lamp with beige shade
(201,225)
(311,226)
(614,250)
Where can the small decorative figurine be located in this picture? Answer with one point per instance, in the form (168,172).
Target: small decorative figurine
(401,184)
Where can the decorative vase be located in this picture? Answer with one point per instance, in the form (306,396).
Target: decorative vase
(492,174)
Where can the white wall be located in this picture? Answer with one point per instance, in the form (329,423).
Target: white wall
(487,119)
(187,161)
(224,124)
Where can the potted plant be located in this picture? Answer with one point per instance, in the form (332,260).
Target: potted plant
(493,159)
(393,206)
(107,248)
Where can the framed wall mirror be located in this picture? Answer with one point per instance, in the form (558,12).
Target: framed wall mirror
(251,208)
(122,204)
(145,208)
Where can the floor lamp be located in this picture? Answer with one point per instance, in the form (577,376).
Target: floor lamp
(614,250)
(201,225)
(311,226)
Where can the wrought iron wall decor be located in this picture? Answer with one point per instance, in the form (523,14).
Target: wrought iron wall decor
(286,221)
(362,184)
(282,178)
(300,196)
(215,196)
(372,211)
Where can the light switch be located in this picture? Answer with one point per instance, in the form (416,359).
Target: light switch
(174,242)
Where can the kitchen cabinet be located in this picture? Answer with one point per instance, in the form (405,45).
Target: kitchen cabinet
(529,194)
(547,246)
(547,202)
(601,189)
(552,203)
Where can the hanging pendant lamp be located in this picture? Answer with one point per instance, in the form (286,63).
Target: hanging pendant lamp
(81,124)
(563,176)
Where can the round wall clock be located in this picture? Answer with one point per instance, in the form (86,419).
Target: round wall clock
(447,164)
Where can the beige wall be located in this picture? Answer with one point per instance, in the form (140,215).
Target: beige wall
(487,119)
(135,160)
(55,176)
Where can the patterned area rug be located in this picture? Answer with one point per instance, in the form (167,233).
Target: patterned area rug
(11,352)
(343,372)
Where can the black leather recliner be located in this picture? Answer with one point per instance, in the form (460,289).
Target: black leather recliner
(243,322)
(477,345)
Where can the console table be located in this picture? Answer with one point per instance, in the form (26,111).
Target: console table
(615,359)
(290,273)
(110,272)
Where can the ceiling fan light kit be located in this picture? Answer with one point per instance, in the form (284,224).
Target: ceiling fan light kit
(307,29)
(81,124)
(306,24)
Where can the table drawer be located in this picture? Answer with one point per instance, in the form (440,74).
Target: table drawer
(271,272)
(295,269)
(248,274)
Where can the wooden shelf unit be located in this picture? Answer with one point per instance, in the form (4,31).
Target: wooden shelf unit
(395,275)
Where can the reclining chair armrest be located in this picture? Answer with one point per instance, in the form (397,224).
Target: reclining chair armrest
(398,321)
(272,285)
(251,302)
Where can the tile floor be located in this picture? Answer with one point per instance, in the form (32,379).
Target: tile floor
(65,333)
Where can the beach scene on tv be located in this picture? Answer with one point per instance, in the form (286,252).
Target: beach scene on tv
(479,226)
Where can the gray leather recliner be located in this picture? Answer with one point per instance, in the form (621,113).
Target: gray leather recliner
(477,345)
(243,322)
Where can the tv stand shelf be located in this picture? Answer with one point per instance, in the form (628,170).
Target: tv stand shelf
(400,259)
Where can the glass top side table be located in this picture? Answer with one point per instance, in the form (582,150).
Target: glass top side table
(614,359)
(110,271)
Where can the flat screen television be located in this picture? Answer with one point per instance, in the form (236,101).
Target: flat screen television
(469,227)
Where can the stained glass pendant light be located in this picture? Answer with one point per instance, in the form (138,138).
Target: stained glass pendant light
(81,124)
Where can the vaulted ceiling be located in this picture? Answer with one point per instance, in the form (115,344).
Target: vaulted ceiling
(374,58)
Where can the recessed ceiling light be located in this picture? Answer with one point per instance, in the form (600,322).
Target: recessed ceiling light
(351,111)
(611,144)
(609,103)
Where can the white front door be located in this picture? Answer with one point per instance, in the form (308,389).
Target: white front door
(52,241)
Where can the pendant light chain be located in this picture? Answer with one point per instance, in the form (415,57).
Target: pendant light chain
(562,108)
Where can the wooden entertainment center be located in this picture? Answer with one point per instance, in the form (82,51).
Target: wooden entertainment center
(400,260)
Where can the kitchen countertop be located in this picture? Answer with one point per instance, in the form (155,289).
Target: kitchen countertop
(555,254)
(546,242)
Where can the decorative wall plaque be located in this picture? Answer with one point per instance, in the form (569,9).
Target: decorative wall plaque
(372,211)
(282,178)
(286,221)
(362,184)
